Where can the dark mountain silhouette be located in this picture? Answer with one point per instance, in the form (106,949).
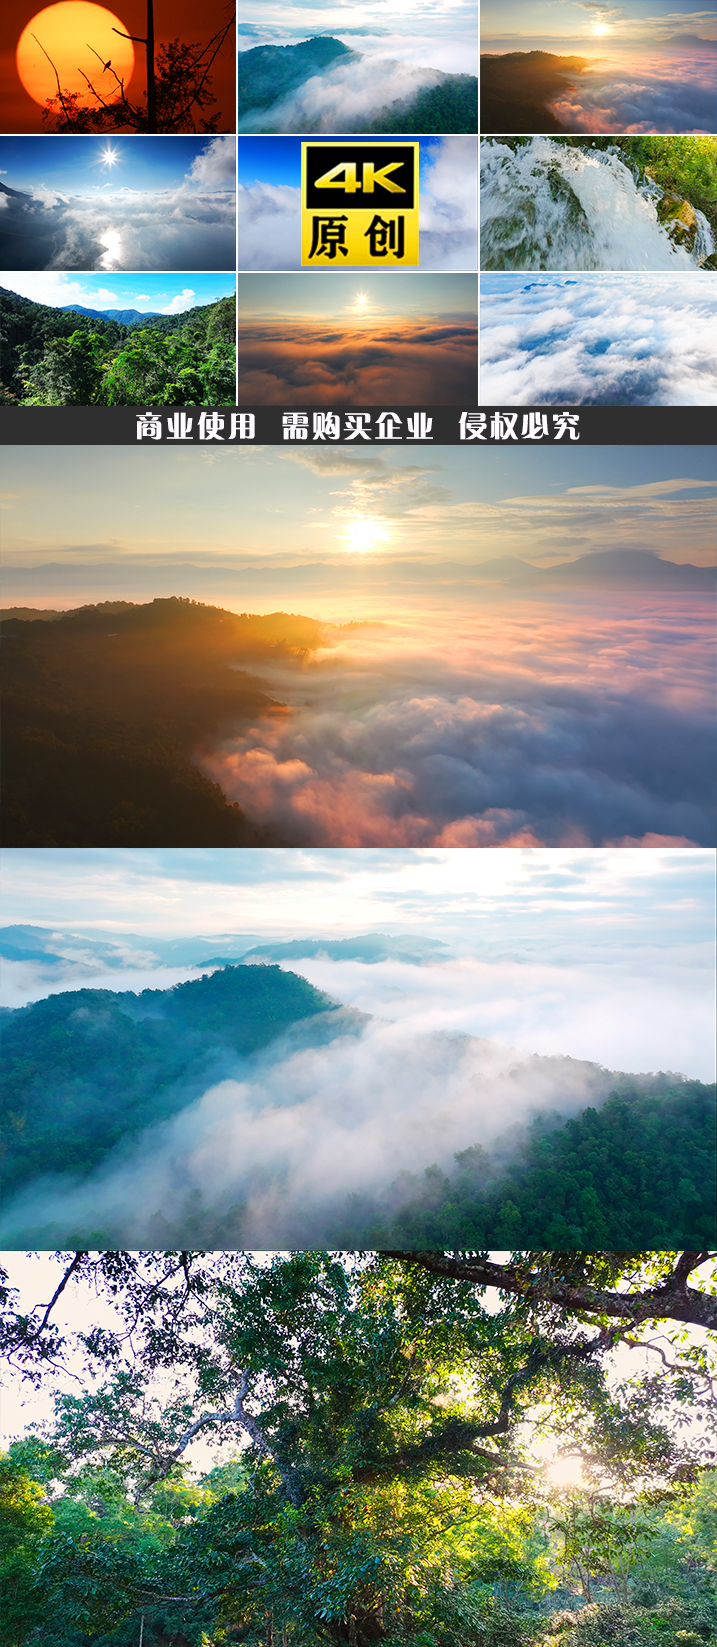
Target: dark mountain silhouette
(624,569)
(603,569)
(16,194)
(104,709)
(516,87)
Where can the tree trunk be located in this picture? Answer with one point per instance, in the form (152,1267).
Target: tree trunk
(151,87)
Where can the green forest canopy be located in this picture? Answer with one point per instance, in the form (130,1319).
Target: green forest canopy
(88,1073)
(383,1424)
(55,357)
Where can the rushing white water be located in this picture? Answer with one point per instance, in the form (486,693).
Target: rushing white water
(548,205)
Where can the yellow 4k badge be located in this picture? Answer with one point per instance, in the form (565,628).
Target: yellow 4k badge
(359,205)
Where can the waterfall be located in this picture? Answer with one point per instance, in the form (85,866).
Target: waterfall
(547,205)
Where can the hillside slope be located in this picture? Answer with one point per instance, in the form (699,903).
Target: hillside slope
(103,708)
(88,1069)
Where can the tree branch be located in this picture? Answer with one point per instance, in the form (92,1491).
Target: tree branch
(672,1299)
(69,1272)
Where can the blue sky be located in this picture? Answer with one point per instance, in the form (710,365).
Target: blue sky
(151,293)
(102,164)
(278,159)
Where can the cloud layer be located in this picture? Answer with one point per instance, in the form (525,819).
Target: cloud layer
(669,91)
(351,93)
(519,726)
(393,362)
(189,227)
(599,340)
(277,1141)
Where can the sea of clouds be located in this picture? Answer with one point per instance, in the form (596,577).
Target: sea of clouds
(598,340)
(520,725)
(191,226)
(350,94)
(668,91)
(380,362)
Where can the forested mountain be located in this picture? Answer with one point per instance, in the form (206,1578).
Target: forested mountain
(89,1069)
(322,1450)
(100,722)
(624,1175)
(61,357)
(126,317)
(89,1073)
(269,74)
(517,86)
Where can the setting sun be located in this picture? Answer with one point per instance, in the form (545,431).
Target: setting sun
(363,534)
(76,39)
(601,28)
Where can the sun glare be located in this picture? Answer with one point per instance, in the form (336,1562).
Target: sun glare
(566,1472)
(363,534)
(110,157)
(73,42)
(601,28)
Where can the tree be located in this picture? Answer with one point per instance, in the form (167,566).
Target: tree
(379,1412)
(177,96)
(69,372)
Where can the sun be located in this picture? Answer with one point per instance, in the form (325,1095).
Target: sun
(361,300)
(566,1472)
(109,157)
(71,37)
(601,28)
(364,534)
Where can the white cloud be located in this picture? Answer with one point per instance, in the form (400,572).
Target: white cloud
(599,340)
(299,1127)
(191,227)
(676,94)
(182,300)
(215,166)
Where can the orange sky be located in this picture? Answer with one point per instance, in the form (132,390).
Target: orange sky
(186,20)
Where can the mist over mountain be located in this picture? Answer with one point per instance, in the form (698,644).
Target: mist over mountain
(249,1107)
(105,707)
(321,85)
(614,568)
